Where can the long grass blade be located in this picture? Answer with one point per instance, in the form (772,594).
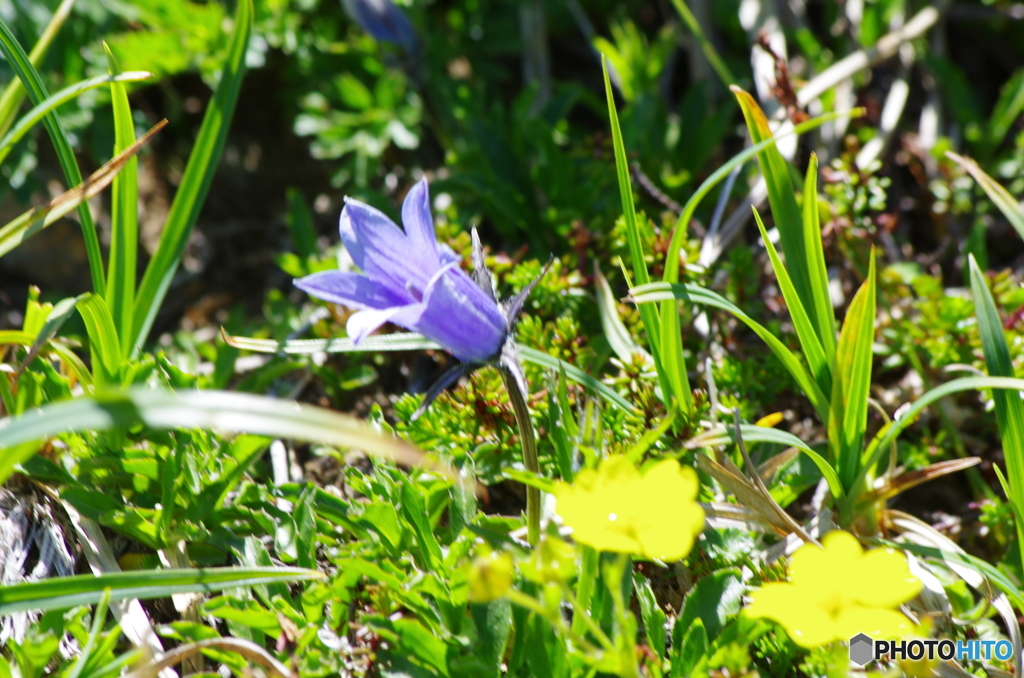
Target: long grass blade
(674,382)
(65,354)
(817,271)
(23,68)
(821,366)
(104,347)
(408,341)
(124,217)
(851,382)
(20,229)
(65,592)
(782,199)
(211,410)
(658,292)
(1006,203)
(1009,408)
(195,182)
(55,101)
(14,93)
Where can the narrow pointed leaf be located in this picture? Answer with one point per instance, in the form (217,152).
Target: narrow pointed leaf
(124,217)
(104,347)
(1007,204)
(65,592)
(672,383)
(615,332)
(37,113)
(1009,408)
(782,199)
(657,292)
(210,410)
(195,182)
(851,382)
(817,271)
(821,366)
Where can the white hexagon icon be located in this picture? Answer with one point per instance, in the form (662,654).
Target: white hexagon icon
(862,649)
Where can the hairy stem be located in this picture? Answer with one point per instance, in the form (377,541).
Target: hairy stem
(530,460)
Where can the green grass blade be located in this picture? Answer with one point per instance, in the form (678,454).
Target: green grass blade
(211,410)
(706,46)
(719,175)
(673,384)
(782,199)
(851,382)
(408,341)
(55,101)
(66,355)
(23,68)
(816,263)
(658,292)
(14,93)
(1009,408)
(1006,203)
(104,347)
(821,366)
(615,332)
(124,217)
(723,435)
(61,593)
(23,227)
(880,445)
(195,182)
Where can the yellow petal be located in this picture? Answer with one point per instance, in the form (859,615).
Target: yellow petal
(885,579)
(805,622)
(879,623)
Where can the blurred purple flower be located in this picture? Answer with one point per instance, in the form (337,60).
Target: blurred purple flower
(410,280)
(384,21)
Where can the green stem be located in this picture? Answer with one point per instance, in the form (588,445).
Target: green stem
(530,460)
(709,50)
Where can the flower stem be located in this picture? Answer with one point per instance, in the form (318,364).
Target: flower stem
(530,460)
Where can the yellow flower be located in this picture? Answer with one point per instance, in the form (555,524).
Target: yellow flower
(839,591)
(616,508)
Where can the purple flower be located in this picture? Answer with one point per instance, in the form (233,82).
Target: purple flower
(410,280)
(383,20)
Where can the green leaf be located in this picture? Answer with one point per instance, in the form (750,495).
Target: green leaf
(52,103)
(14,93)
(1009,408)
(1007,204)
(195,182)
(1007,109)
(655,292)
(103,344)
(64,592)
(19,62)
(721,435)
(300,224)
(880,444)
(615,332)
(672,383)
(124,217)
(821,366)
(713,600)
(816,265)
(408,341)
(210,410)
(851,382)
(782,199)
(651,614)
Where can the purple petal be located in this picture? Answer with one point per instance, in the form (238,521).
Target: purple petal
(353,290)
(460,317)
(380,249)
(418,223)
(361,324)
